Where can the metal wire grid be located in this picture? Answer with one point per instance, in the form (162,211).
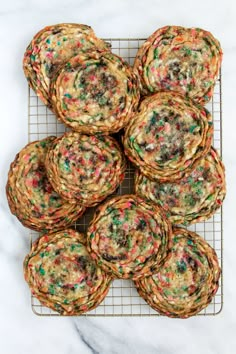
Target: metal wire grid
(123,299)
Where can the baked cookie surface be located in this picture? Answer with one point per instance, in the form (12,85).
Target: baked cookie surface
(167,135)
(95,93)
(193,198)
(63,276)
(52,47)
(188,279)
(30,195)
(85,168)
(185,60)
(128,237)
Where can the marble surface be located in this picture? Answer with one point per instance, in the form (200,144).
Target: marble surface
(20,330)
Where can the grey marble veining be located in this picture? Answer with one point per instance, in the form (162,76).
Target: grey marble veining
(21,331)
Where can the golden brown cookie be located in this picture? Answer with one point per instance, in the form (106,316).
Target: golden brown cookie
(191,199)
(63,276)
(128,237)
(85,168)
(188,279)
(52,47)
(95,93)
(31,197)
(167,136)
(184,60)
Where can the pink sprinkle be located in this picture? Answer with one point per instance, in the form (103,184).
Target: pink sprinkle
(79,279)
(97,172)
(49,55)
(167,127)
(126,227)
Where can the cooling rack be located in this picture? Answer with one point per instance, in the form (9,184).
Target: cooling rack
(123,299)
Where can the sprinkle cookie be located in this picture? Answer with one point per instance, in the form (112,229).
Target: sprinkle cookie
(30,195)
(188,279)
(167,135)
(63,276)
(95,93)
(185,60)
(53,46)
(192,199)
(85,168)
(128,237)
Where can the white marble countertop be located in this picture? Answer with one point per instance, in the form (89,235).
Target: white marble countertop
(21,331)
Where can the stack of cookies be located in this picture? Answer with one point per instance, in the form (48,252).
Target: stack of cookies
(158,109)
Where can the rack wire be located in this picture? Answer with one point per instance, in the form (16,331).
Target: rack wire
(123,299)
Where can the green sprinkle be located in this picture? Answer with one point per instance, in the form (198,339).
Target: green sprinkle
(48,41)
(58,43)
(190,242)
(181,266)
(32,57)
(192,128)
(41,270)
(156,53)
(67,95)
(51,289)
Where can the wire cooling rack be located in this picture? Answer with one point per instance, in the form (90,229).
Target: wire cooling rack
(123,299)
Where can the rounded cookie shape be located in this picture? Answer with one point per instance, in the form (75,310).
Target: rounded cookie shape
(167,136)
(30,195)
(128,237)
(95,93)
(185,60)
(63,276)
(84,167)
(192,199)
(188,279)
(52,47)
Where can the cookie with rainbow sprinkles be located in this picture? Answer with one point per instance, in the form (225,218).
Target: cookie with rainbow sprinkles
(62,275)
(53,46)
(185,60)
(85,168)
(30,195)
(128,237)
(195,197)
(95,93)
(188,279)
(167,136)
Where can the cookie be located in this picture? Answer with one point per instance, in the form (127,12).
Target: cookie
(167,136)
(129,238)
(95,93)
(188,279)
(62,275)
(85,168)
(52,47)
(185,60)
(192,199)
(31,197)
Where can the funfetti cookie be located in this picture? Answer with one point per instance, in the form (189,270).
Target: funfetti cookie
(128,237)
(52,47)
(167,136)
(62,275)
(31,197)
(191,199)
(188,279)
(184,60)
(95,93)
(85,168)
